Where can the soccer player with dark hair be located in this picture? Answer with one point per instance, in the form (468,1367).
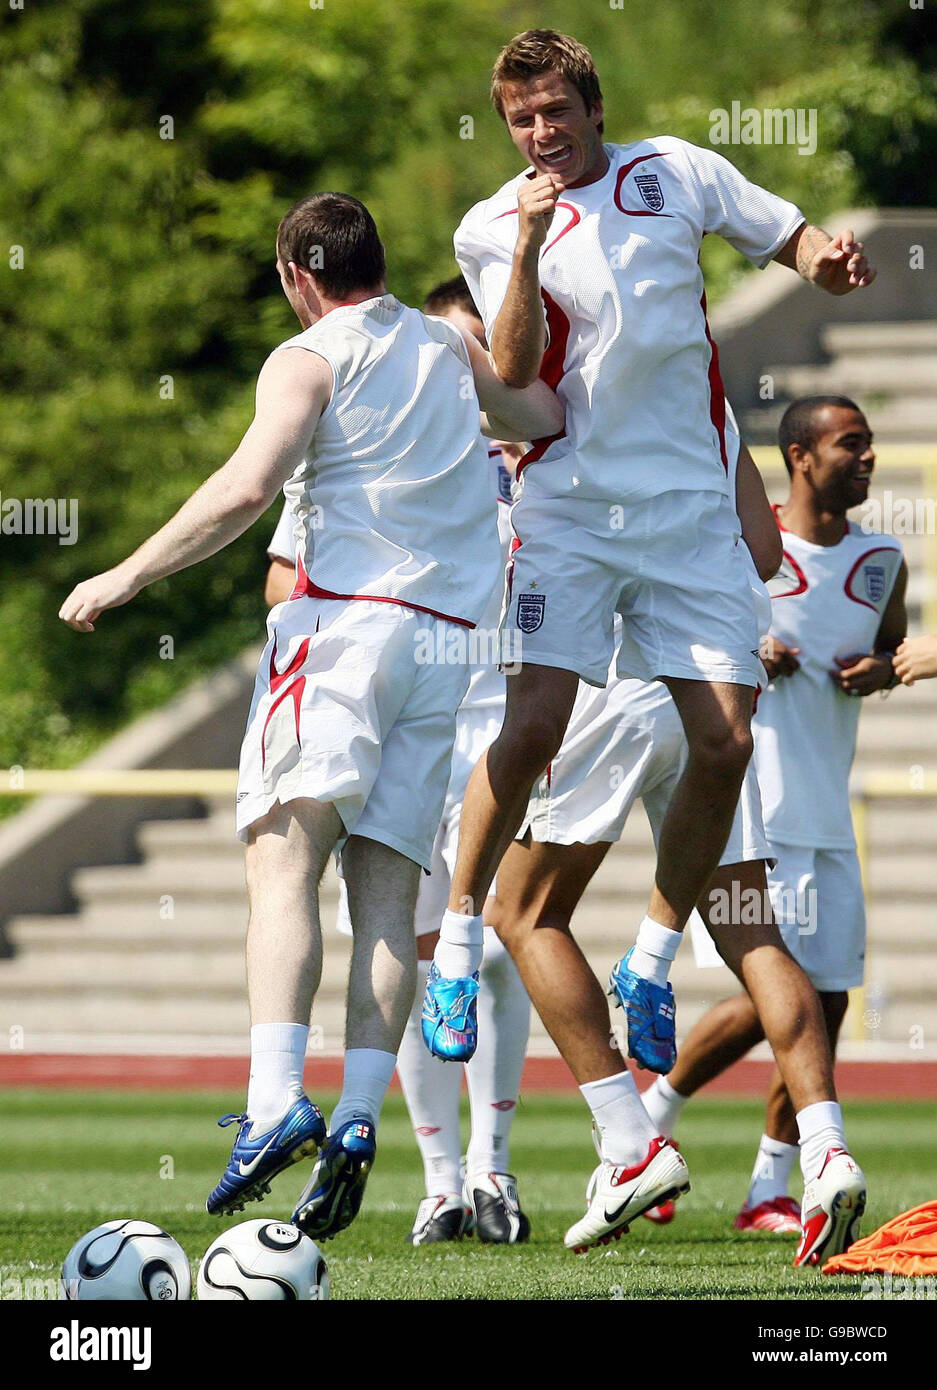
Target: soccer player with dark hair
(369,420)
(838,615)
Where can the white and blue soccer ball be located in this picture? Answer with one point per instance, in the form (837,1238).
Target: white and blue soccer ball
(126,1260)
(263,1260)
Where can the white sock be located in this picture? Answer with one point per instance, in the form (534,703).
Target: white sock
(772,1171)
(494,1073)
(461,942)
(663,1105)
(654,948)
(278,1051)
(431,1089)
(820,1127)
(624,1129)
(368,1073)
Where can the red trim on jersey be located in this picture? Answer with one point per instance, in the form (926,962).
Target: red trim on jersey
(293,691)
(623,174)
(802,585)
(717,395)
(876,550)
(573,222)
(776,508)
(551,371)
(306,589)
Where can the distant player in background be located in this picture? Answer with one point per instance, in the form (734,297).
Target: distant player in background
(487,1200)
(838,616)
(369,420)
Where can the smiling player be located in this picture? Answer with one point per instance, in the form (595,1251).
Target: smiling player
(837,617)
(586,269)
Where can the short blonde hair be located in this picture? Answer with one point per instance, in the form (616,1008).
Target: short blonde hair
(537,51)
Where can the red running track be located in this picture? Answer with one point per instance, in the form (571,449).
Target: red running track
(878,1080)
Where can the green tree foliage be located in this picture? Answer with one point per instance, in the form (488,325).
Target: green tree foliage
(147,297)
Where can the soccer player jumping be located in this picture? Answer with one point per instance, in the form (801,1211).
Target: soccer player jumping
(586,270)
(370,417)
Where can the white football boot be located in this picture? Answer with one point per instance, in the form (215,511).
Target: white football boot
(440,1218)
(495,1208)
(615,1196)
(831,1209)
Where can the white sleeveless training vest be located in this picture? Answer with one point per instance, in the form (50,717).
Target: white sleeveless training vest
(393,500)
(829,602)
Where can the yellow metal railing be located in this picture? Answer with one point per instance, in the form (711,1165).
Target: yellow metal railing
(80,781)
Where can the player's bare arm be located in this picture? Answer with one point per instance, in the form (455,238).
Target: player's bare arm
(759,528)
(280,582)
(514,413)
(916,659)
(518,338)
(293,389)
(834,263)
(863,674)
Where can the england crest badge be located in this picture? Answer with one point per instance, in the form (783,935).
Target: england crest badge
(874,581)
(530,608)
(649,187)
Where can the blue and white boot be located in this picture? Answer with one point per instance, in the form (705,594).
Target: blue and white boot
(450,1016)
(331,1199)
(651,1014)
(257,1159)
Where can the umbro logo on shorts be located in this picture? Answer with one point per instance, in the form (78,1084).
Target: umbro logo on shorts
(530,609)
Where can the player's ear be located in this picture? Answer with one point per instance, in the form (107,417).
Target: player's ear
(799,458)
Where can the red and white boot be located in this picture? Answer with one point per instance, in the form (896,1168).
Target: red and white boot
(615,1196)
(780,1215)
(831,1210)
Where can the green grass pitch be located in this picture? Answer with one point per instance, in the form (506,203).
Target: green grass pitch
(72,1159)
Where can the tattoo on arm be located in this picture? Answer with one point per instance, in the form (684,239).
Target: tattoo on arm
(812,240)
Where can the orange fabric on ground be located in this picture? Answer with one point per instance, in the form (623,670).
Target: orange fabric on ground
(905,1245)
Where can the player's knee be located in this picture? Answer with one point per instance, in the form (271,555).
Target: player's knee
(723,754)
(532,742)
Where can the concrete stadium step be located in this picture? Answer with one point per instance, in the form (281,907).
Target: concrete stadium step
(871,374)
(879,339)
(897,827)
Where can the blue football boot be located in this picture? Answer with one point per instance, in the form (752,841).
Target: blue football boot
(450,1016)
(257,1158)
(331,1199)
(651,1014)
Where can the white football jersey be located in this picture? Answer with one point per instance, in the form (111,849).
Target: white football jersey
(629,353)
(393,500)
(828,601)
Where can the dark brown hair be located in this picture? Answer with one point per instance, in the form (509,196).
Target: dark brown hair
(454,291)
(333,236)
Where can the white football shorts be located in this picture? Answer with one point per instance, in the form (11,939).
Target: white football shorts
(344,712)
(475,730)
(820,909)
(673,566)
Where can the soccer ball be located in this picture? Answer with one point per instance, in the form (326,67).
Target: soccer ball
(262,1260)
(126,1260)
